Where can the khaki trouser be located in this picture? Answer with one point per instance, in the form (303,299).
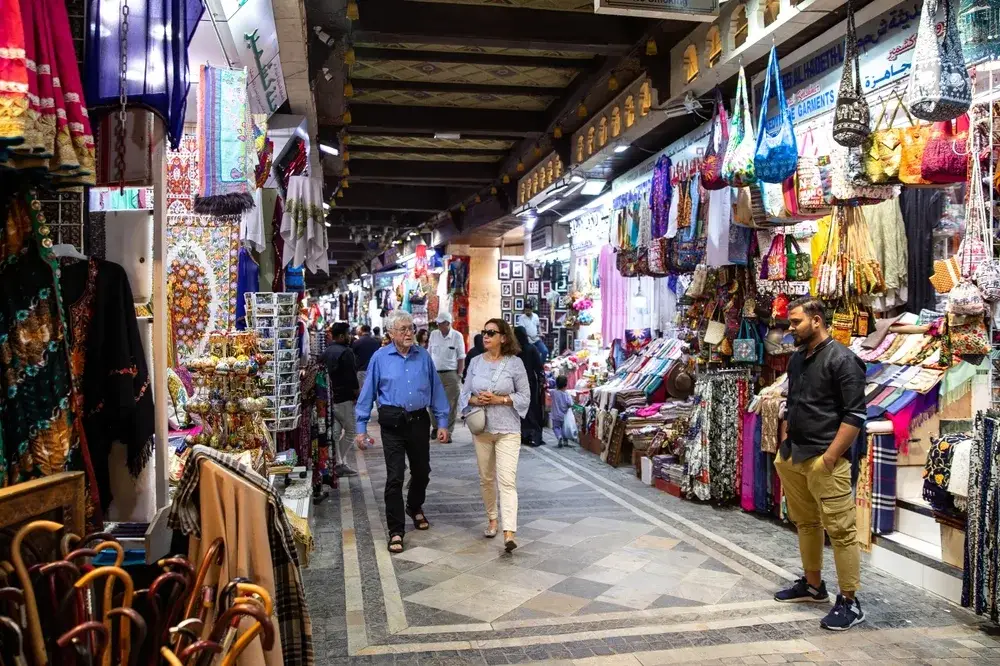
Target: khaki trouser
(497,456)
(344,429)
(818,500)
(452,388)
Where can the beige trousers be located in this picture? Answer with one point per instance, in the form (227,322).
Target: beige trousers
(497,456)
(452,388)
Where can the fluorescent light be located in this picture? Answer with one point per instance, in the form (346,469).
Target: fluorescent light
(622,148)
(447,135)
(328,149)
(551,203)
(333,262)
(326,224)
(593,187)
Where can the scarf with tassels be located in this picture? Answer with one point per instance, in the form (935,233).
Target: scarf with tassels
(225,144)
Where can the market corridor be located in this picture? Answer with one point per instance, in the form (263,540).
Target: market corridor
(608,571)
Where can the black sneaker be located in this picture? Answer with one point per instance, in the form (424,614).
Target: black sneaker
(803,591)
(845,614)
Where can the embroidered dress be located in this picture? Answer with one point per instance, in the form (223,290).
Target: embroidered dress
(35,419)
(13,75)
(302,228)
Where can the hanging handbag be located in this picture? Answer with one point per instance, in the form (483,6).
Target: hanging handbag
(790,193)
(697,287)
(947,274)
(657,257)
(715,332)
(776,152)
(777,268)
(966,336)
(883,149)
(475,418)
(965,299)
(915,140)
(774,201)
(799,263)
(739,244)
(711,163)
(809,180)
(846,191)
(939,86)
(779,307)
(945,159)
(852,119)
(977,245)
(747,345)
(750,208)
(843,323)
(738,167)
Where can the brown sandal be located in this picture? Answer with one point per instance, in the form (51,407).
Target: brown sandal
(396,544)
(420,520)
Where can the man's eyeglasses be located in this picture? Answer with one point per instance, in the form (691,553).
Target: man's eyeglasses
(488,333)
(404,329)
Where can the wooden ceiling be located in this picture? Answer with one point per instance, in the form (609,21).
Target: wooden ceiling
(500,74)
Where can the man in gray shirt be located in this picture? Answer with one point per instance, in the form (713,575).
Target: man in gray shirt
(531,323)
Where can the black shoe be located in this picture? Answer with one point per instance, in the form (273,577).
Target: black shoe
(319,494)
(845,614)
(803,591)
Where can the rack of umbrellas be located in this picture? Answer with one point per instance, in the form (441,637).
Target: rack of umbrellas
(57,607)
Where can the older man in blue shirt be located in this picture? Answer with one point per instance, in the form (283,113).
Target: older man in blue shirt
(403,379)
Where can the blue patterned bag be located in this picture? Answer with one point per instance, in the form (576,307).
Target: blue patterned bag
(777,153)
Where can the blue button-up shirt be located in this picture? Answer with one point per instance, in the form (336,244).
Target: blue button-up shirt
(410,382)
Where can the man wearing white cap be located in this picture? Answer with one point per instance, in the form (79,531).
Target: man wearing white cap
(447,348)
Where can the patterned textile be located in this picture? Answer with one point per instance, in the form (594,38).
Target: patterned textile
(937,470)
(36,430)
(294,623)
(302,225)
(749,462)
(863,500)
(52,130)
(225,143)
(979,532)
(883,480)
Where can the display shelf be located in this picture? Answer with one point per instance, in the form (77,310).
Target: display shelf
(272,316)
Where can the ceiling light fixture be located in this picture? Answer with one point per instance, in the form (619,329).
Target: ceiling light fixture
(593,187)
(622,148)
(447,135)
(328,149)
(552,203)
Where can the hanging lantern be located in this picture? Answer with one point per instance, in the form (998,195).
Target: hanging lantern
(538,151)
(493,190)
(352,10)
(346,139)
(348,89)
(651,49)
(557,132)
(345,172)
(612,83)
(340,194)
(347,117)
(506,179)
(462,208)
(478,199)
(349,56)
(333,204)
(344,184)
(581,110)
(346,155)
(520,167)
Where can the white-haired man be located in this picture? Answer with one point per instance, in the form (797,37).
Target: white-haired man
(402,377)
(447,348)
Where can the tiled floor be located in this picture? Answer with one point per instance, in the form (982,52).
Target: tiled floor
(608,571)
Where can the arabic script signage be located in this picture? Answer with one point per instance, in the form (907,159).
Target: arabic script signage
(886,44)
(251,23)
(678,10)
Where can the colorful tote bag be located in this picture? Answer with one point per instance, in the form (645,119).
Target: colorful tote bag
(809,177)
(738,167)
(939,82)
(945,158)
(711,164)
(852,119)
(776,153)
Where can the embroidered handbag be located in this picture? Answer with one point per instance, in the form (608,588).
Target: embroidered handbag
(852,119)
(911,165)
(776,152)
(977,245)
(945,158)
(845,191)
(939,86)
(967,336)
(774,201)
(739,244)
(738,167)
(777,267)
(657,257)
(965,299)
(987,278)
(843,323)
(745,346)
(688,254)
(711,163)
(883,149)
(810,180)
(799,262)
(697,287)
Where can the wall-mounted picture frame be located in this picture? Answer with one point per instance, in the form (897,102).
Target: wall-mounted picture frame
(506,289)
(503,269)
(518,288)
(509,318)
(543,325)
(577,345)
(517,269)
(518,304)
(546,287)
(505,304)
(533,287)
(560,319)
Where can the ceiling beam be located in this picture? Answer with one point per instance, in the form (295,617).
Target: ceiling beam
(388,131)
(368,196)
(405,150)
(446,172)
(470,122)
(548,62)
(445,87)
(404,21)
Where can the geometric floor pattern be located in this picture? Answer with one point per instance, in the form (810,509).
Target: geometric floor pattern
(607,571)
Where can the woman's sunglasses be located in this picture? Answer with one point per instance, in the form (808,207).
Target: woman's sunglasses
(488,333)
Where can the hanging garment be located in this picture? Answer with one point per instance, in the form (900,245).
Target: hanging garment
(252,223)
(921,210)
(163,85)
(247,281)
(888,234)
(35,388)
(109,366)
(720,211)
(52,132)
(660,197)
(225,155)
(614,298)
(302,228)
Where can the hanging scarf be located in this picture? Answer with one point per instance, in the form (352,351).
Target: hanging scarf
(302,228)
(224,143)
(659,197)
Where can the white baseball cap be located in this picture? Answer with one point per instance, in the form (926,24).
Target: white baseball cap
(443,317)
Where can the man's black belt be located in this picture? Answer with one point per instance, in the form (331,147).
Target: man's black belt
(442,371)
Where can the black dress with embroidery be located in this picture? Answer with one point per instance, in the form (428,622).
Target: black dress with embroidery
(110,378)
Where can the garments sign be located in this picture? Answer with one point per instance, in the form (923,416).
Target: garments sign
(886,46)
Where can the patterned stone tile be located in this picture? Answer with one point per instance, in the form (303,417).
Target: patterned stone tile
(580,587)
(556,603)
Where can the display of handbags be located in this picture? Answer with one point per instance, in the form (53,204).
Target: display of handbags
(711,164)
(738,167)
(939,87)
(776,152)
(946,158)
(852,119)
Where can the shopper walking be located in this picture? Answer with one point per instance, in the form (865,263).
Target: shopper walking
(531,423)
(364,347)
(342,370)
(402,378)
(477,349)
(498,383)
(824,415)
(530,321)
(447,348)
